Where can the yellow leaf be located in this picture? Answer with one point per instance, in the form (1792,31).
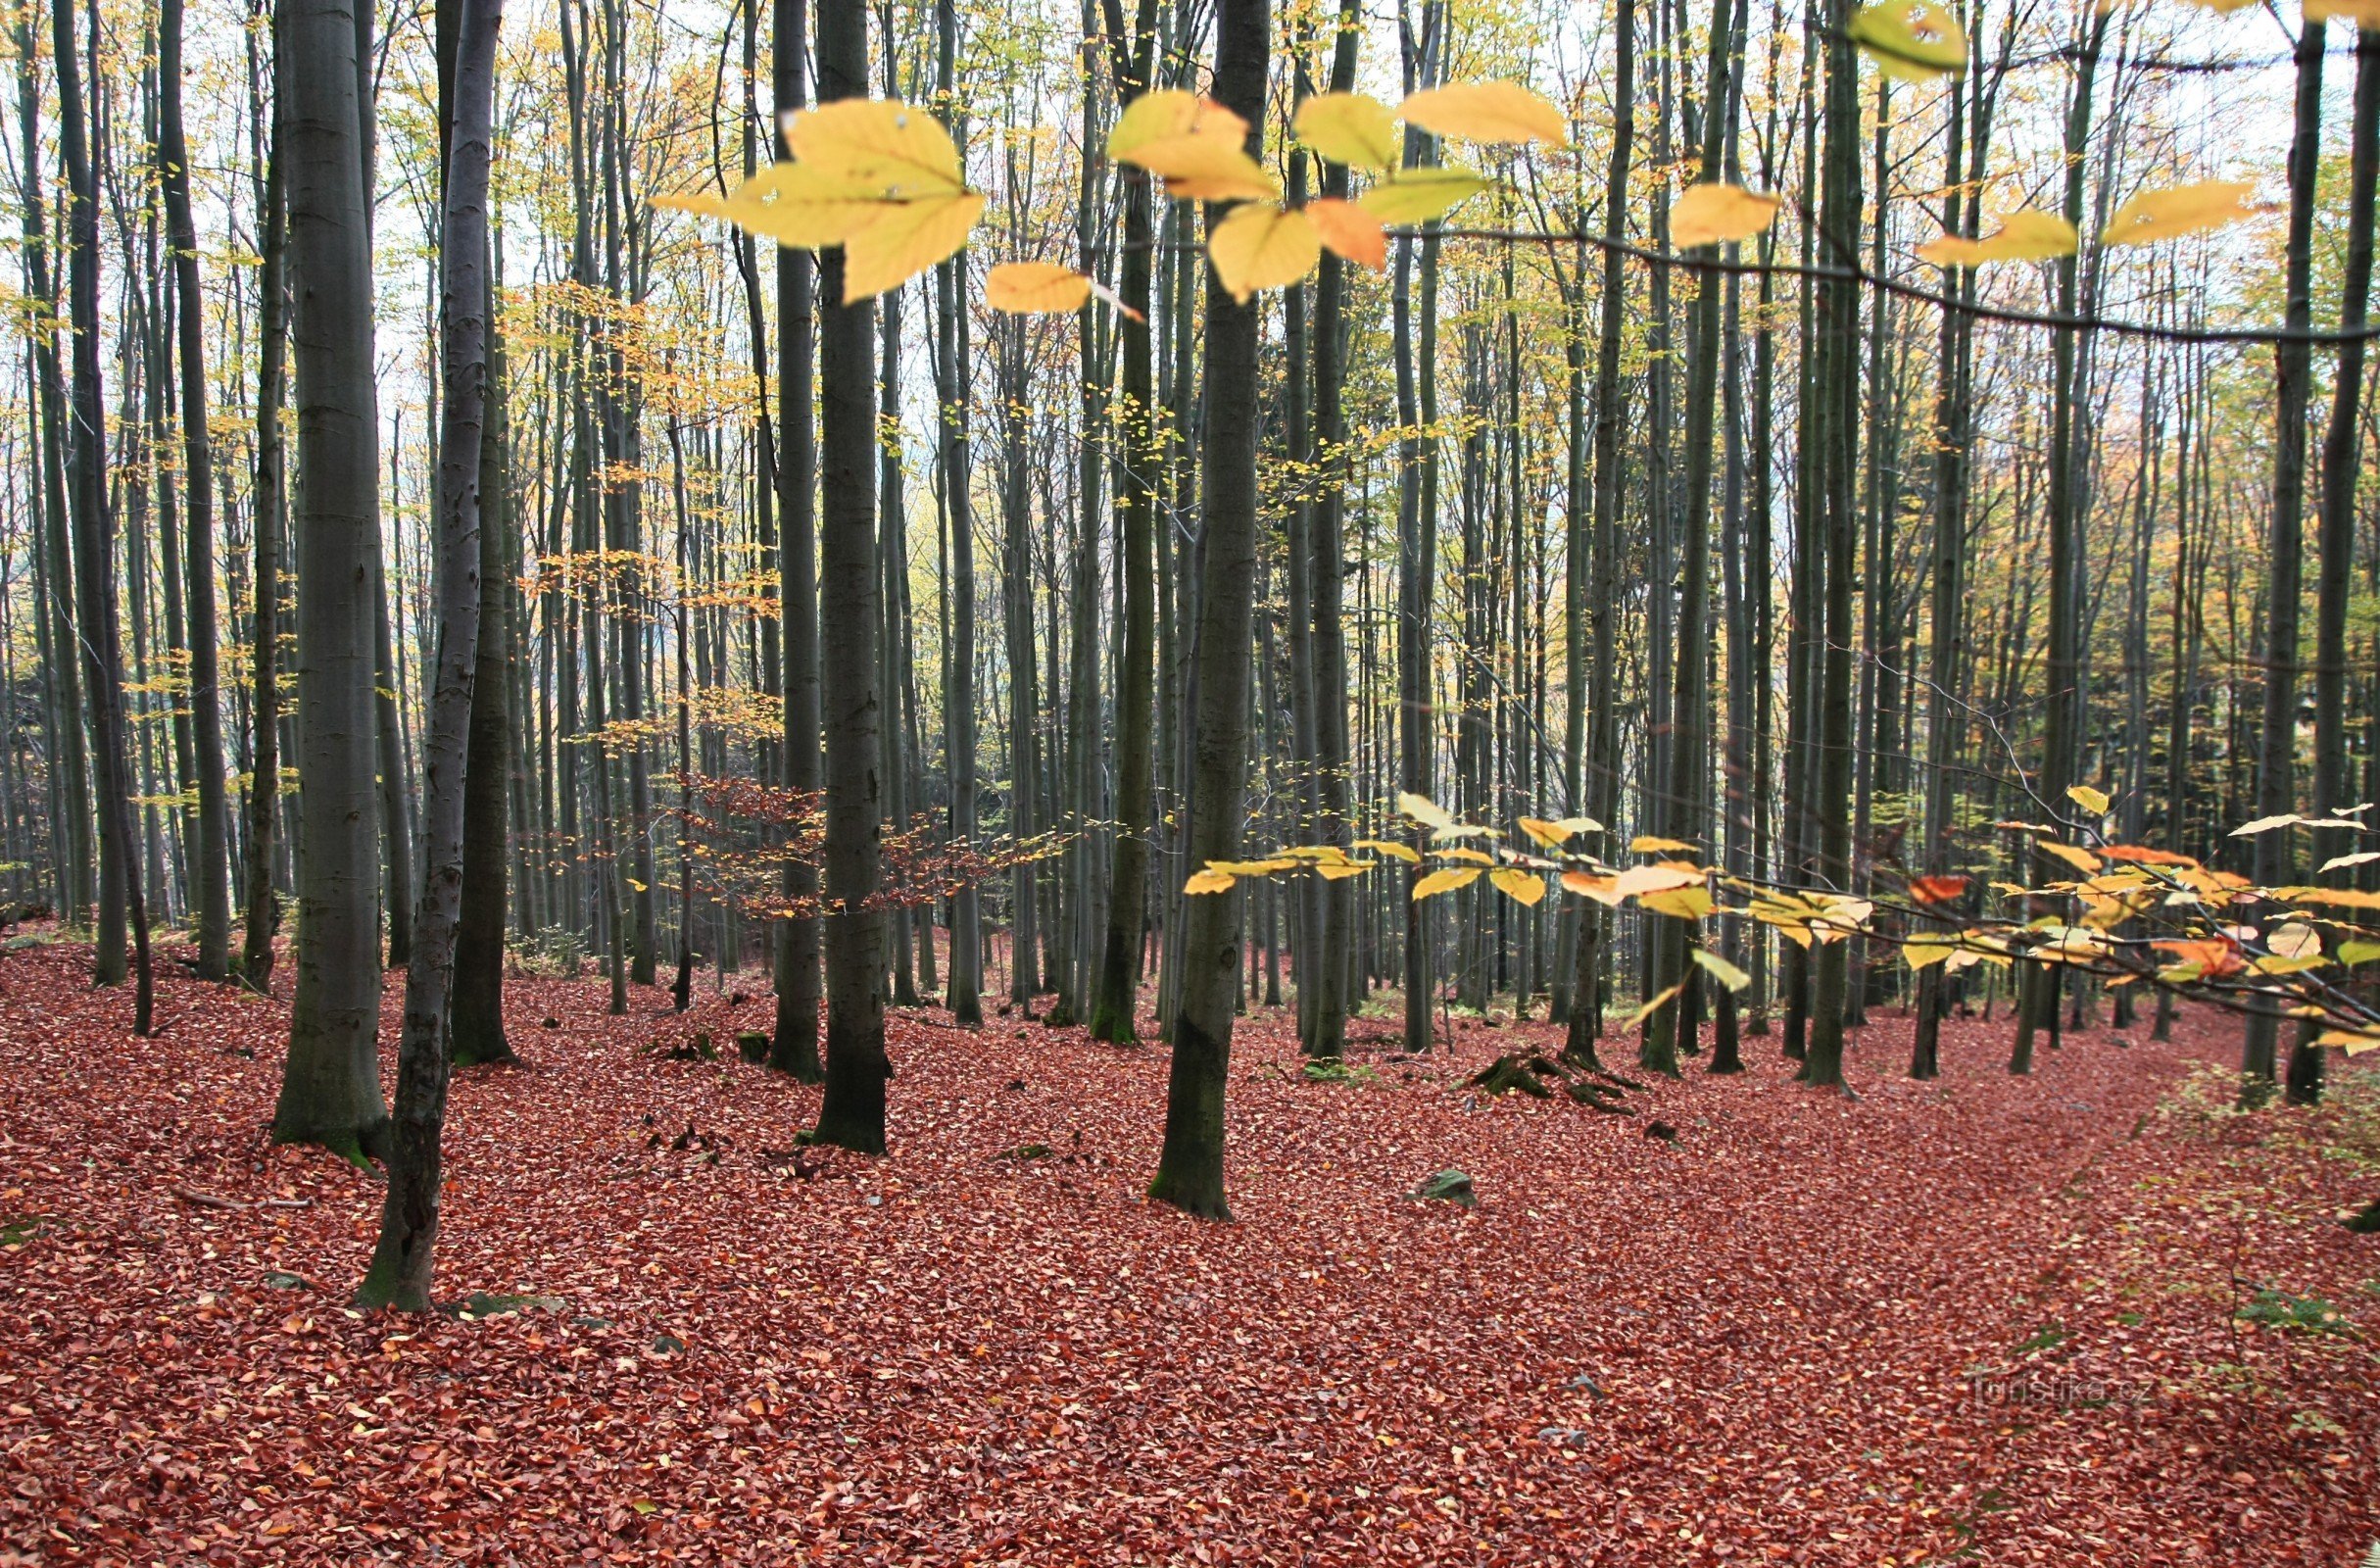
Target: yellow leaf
(1713,210)
(1423,809)
(2363,13)
(1349,231)
(1197,145)
(1026,288)
(1518,885)
(1208,882)
(1910,40)
(1646,844)
(1167,114)
(1348,127)
(2082,860)
(910,236)
(1206,170)
(1727,974)
(1652,1006)
(1579,824)
(1472,856)
(1485,111)
(1678,904)
(2350,1041)
(1333,870)
(2264,824)
(2294,940)
(2177,210)
(2340,863)
(1638,880)
(2090,799)
(1390,847)
(1446,881)
(1604,890)
(1259,246)
(1418,195)
(1922,953)
(898,151)
(2022,236)
(792,205)
(1552,835)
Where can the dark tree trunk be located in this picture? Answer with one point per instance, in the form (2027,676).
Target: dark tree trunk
(121,902)
(330,1089)
(403,1260)
(1190,1167)
(852,1113)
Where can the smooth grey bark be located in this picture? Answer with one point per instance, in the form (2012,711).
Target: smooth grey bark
(211,877)
(1117,1004)
(793,1046)
(1189,1166)
(331,1087)
(1585,1017)
(2276,742)
(269,505)
(406,1254)
(56,527)
(121,902)
(405,1257)
(852,1113)
(2342,457)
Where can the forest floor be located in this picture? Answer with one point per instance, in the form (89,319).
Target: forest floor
(1983,1318)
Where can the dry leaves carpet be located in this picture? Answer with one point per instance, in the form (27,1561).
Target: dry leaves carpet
(1986,1319)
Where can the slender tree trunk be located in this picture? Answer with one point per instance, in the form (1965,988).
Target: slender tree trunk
(2342,460)
(794,1049)
(268,509)
(479,954)
(1190,1167)
(403,1260)
(1587,960)
(95,547)
(58,609)
(852,1115)
(2276,746)
(211,877)
(1113,1016)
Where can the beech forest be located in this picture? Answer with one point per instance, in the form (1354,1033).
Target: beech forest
(1190,781)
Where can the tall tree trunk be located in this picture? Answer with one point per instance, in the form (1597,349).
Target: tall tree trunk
(403,1260)
(794,1048)
(268,511)
(211,877)
(1190,1167)
(1588,957)
(58,607)
(1138,457)
(2342,460)
(852,1113)
(121,902)
(479,952)
(1671,1029)
(2061,704)
(330,1089)
(1836,383)
(2276,746)
(1330,946)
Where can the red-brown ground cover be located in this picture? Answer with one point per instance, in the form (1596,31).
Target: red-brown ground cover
(1760,1344)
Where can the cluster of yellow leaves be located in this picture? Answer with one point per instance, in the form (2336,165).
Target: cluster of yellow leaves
(1199,148)
(875,176)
